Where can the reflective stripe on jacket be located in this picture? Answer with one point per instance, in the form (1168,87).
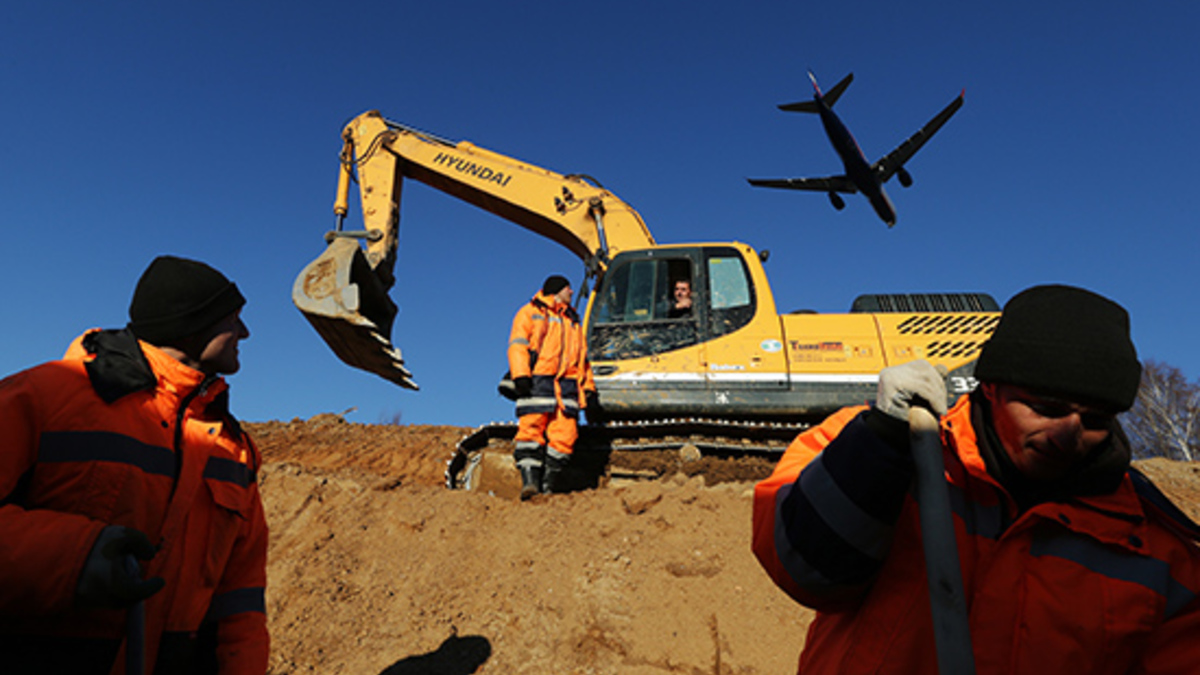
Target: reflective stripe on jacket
(561,372)
(1098,585)
(164,457)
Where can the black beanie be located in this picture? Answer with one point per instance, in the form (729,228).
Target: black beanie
(554,284)
(177,297)
(1066,341)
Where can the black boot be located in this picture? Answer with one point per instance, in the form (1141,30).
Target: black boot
(555,479)
(529,457)
(531,480)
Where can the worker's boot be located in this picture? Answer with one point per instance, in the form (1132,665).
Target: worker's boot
(528,457)
(554,479)
(531,481)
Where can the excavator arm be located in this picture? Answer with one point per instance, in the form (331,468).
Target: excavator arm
(344,291)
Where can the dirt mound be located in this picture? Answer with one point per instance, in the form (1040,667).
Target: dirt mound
(376,568)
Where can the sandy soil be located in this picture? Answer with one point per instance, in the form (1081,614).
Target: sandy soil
(377,569)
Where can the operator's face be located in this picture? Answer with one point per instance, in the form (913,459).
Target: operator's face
(683,292)
(564,296)
(1045,436)
(220,352)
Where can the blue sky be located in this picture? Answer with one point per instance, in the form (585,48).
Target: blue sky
(211,130)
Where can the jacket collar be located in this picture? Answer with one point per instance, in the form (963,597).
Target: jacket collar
(548,303)
(119,364)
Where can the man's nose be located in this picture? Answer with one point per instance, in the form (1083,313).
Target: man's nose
(1068,430)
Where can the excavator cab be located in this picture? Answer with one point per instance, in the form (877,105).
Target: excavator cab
(635,313)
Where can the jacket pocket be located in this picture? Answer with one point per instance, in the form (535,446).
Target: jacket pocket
(227,516)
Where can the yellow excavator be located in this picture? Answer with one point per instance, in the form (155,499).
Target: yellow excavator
(731,367)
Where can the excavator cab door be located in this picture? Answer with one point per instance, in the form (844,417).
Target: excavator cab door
(637,313)
(634,315)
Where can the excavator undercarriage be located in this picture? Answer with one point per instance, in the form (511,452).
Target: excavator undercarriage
(721,450)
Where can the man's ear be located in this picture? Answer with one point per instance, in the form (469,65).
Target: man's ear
(192,346)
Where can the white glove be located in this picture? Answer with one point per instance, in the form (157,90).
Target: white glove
(916,381)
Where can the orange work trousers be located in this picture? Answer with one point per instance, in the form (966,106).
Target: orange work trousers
(555,430)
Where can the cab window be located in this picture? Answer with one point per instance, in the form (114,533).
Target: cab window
(636,312)
(730,290)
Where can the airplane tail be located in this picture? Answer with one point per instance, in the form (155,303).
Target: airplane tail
(829,98)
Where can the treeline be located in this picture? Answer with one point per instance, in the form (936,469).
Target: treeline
(1165,419)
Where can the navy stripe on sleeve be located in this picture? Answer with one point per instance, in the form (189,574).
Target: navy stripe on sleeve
(236,602)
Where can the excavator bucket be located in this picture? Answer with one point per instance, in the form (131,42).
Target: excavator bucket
(345,300)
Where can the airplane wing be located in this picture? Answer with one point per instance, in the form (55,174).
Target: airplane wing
(829,184)
(890,163)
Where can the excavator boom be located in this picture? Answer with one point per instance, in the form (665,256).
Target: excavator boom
(344,291)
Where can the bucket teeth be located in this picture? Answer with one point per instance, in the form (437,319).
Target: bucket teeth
(348,305)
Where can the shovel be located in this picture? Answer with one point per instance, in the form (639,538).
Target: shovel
(135,627)
(947,602)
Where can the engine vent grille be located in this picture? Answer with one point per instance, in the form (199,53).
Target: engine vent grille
(952,350)
(925,302)
(943,324)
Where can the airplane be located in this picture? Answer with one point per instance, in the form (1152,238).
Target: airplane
(861,176)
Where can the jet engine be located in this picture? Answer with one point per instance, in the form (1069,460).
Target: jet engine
(837,201)
(904,177)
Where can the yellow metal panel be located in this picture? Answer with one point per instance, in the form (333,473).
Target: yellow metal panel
(833,343)
(953,339)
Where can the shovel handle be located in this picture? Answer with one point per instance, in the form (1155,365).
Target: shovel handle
(135,627)
(947,602)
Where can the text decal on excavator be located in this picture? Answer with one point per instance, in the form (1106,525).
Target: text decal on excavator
(818,352)
(472,169)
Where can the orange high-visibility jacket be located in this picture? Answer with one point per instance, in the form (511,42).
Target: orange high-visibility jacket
(561,372)
(163,456)
(1101,585)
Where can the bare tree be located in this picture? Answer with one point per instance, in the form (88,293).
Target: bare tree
(1165,418)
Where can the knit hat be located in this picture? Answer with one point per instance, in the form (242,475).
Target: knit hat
(176,297)
(554,284)
(1066,341)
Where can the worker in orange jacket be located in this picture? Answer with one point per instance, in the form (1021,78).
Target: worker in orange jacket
(125,452)
(547,356)
(1072,561)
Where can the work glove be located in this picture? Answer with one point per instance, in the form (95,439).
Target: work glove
(111,576)
(909,384)
(524,386)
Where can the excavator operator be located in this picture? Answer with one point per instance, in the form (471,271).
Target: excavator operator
(1072,561)
(681,296)
(547,355)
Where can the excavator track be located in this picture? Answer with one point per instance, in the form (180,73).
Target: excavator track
(619,448)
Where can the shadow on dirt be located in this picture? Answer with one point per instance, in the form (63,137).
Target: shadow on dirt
(456,656)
